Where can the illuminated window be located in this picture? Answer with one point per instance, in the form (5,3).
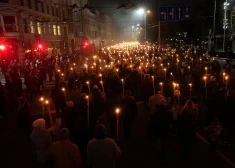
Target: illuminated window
(44,29)
(9,23)
(58,29)
(25,26)
(49,29)
(39,28)
(54,30)
(31,27)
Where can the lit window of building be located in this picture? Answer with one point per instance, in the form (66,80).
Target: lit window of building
(59,31)
(54,30)
(49,29)
(44,29)
(39,28)
(31,27)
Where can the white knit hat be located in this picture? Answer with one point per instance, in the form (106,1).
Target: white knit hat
(39,123)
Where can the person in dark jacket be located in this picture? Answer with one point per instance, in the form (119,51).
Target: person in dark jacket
(228,117)
(23,117)
(129,111)
(58,98)
(159,125)
(187,127)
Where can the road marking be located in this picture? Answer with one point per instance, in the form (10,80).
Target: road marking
(227,160)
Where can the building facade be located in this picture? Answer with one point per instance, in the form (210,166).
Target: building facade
(59,25)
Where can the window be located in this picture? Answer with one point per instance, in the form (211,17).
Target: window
(57,12)
(25,26)
(59,31)
(65,31)
(42,7)
(31,27)
(29,4)
(36,5)
(39,28)
(49,29)
(44,29)
(22,2)
(10,23)
(48,9)
(54,30)
(52,11)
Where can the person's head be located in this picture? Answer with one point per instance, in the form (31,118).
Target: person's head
(163,102)
(128,93)
(231,93)
(70,104)
(95,88)
(57,123)
(39,124)
(100,132)
(189,104)
(212,79)
(157,90)
(147,77)
(64,134)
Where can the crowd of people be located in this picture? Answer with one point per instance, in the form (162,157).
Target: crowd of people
(119,76)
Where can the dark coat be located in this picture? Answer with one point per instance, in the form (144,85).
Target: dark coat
(160,123)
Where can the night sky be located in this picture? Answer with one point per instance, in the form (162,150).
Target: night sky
(126,17)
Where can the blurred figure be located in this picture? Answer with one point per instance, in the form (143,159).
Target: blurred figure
(187,127)
(102,152)
(3,100)
(55,130)
(215,68)
(75,95)
(23,116)
(111,104)
(159,125)
(64,153)
(147,88)
(42,140)
(213,101)
(97,103)
(228,117)
(129,112)
(58,98)
(155,100)
(70,116)
(228,67)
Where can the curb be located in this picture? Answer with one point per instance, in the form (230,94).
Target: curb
(227,160)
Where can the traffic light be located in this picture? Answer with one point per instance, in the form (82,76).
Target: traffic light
(2,47)
(86,44)
(39,46)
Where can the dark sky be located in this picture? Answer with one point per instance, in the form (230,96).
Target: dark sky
(126,17)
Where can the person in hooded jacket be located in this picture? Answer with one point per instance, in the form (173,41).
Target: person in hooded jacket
(187,127)
(129,111)
(42,140)
(23,116)
(58,98)
(228,118)
(97,102)
(159,125)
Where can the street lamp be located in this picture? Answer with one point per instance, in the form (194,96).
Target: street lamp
(225,21)
(142,11)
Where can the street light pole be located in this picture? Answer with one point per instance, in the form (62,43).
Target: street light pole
(225,21)
(145,20)
(214,16)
